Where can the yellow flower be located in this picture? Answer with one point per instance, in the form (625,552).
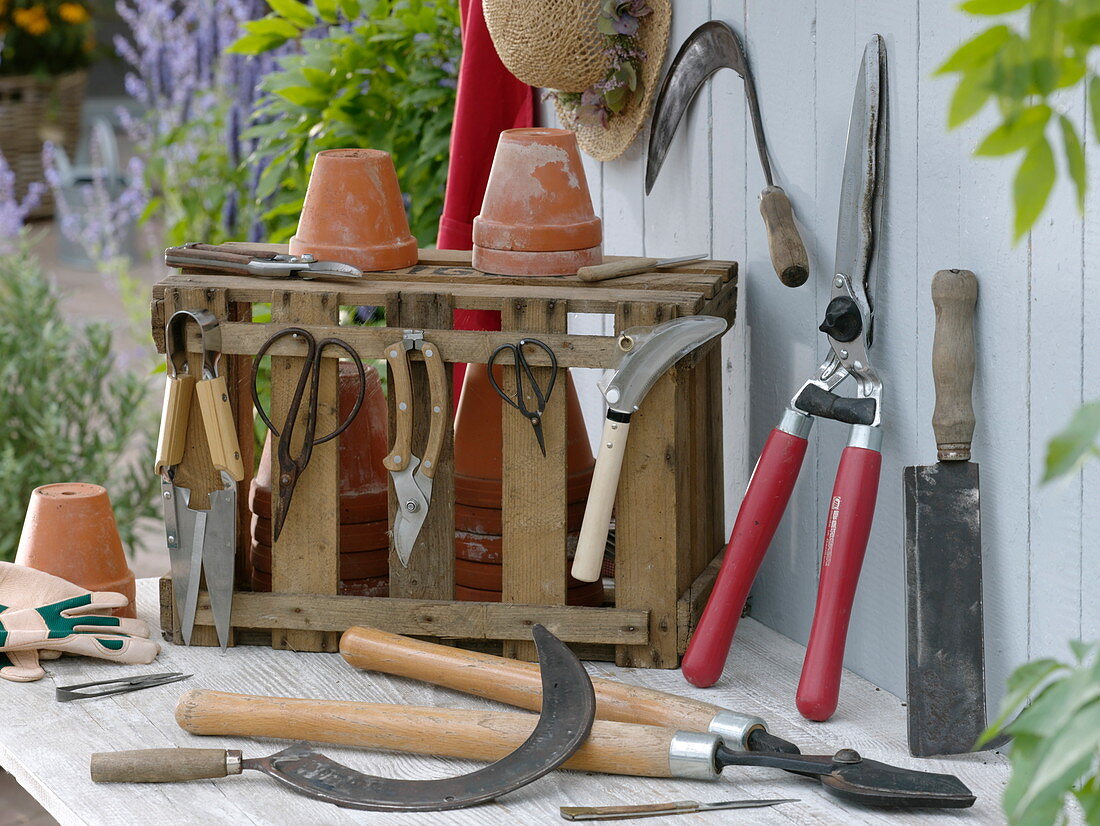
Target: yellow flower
(73,13)
(33,20)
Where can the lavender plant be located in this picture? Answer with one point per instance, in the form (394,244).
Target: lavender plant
(13,212)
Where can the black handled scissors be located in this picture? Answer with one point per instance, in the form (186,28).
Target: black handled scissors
(291,467)
(523,368)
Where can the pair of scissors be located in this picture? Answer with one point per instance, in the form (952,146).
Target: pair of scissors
(291,467)
(522,369)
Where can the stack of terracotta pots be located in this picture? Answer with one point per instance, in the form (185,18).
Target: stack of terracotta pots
(537,216)
(364,541)
(479,488)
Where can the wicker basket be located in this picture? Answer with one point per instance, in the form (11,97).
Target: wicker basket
(34,110)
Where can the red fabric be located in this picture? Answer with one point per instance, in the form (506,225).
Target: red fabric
(490,99)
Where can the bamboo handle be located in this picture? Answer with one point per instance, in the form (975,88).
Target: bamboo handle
(474,734)
(511,681)
(954,294)
(173,421)
(592,542)
(437,387)
(616,269)
(788,253)
(220,426)
(398,458)
(162,765)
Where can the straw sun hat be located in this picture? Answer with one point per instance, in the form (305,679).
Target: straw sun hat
(600,59)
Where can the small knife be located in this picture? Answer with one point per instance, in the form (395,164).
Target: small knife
(632,266)
(234,259)
(680,807)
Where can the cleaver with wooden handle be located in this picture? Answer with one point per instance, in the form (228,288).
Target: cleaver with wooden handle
(943,545)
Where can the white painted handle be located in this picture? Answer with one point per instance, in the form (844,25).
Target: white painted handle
(601,498)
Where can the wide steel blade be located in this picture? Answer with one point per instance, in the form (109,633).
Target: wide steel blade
(413,501)
(864,170)
(652,351)
(712,46)
(943,572)
(219,554)
(568,709)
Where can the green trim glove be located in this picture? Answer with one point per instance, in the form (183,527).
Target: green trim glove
(78,626)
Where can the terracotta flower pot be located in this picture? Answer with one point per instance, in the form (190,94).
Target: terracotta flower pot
(480,547)
(536,217)
(369,587)
(354,212)
(479,439)
(363,446)
(355,537)
(590,594)
(491,520)
(489,576)
(355,565)
(70,532)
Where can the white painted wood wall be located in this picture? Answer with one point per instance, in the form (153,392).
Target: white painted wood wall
(1038,312)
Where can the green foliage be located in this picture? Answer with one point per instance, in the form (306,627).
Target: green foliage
(1078,442)
(71,412)
(1056,739)
(45,37)
(1027,71)
(382,76)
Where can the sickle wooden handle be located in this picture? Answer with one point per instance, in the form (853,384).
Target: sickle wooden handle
(474,734)
(513,682)
(159,765)
(788,253)
(592,542)
(954,294)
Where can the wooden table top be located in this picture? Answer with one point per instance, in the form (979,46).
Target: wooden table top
(46,744)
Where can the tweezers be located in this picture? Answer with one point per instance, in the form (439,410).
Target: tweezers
(123,685)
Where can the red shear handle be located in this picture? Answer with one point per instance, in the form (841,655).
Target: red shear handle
(851,510)
(761,509)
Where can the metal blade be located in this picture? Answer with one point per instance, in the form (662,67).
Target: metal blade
(181,552)
(568,709)
(194,575)
(943,572)
(746,804)
(652,350)
(413,502)
(219,554)
(712,46)
(864,170)
(681,259)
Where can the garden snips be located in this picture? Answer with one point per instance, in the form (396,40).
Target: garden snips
(199,539)
(528,387)
(848,326)
(412,476)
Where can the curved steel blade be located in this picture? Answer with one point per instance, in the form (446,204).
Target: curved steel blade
(864,174)
(414,496)
(568,709)
(652,351)
(712,46)
(219,554)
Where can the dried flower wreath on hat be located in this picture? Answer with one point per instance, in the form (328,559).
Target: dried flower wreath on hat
(600,60)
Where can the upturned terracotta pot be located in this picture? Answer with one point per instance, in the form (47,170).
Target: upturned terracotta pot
(491,520)
(363,446)
(489,576)
(481,547)
(369,587)
(355,565)
(590,594)
(355,537)
(479,440)
(536,217)
(70,532)
(354,212)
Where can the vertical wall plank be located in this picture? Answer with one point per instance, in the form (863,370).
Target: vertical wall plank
(534,485)
(305,559)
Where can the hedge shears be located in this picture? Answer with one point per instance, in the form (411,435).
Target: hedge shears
(848,325)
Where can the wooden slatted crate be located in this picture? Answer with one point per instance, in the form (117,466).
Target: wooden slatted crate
(669,519)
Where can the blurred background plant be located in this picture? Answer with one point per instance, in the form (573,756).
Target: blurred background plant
(45,37)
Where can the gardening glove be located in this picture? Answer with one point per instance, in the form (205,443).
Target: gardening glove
(73,626)
(23,587)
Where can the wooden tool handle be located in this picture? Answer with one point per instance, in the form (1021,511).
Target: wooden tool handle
(954,294)
(788,253)
(616,269)
(160,765)
(437,388)
(592,542)
(402,394)
(616,748)
(173,421)
(511,681)
(677,807)
(220,426)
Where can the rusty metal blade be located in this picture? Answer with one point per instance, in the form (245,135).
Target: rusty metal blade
(943,573)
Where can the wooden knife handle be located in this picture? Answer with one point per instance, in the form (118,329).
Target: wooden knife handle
(592,542)
(437,389)
(398,458)
(954,294)
(474,734)
(178,392)
(616,269)
(511,681)
(788,253)
(163,765)
(220,426)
